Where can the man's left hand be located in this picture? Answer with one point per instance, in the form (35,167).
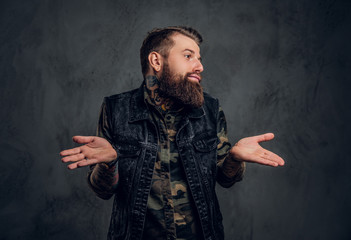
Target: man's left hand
(249,150)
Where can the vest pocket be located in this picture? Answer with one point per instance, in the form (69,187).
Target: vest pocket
(206,144)
(125,150)
(127,157)
(128,151)
(205,153)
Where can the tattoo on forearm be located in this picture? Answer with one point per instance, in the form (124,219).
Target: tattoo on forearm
(230,166)
(104,178)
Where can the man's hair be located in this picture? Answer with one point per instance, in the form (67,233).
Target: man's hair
(159,40)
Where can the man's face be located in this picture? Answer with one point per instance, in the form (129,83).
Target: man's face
(181,73)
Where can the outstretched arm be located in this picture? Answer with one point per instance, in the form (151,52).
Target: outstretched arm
(99,154)
(231,160)
(249,150)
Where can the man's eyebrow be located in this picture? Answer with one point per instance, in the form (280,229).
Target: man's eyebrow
(187,49)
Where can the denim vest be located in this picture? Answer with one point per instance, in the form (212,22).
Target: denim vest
(135,139)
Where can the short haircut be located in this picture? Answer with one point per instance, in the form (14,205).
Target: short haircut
(159,40)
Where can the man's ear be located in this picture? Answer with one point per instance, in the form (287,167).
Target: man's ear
(155,61)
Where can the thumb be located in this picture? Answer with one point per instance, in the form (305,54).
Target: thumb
(83,139)
(264,137)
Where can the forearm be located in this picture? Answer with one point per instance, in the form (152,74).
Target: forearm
(229,171)
(103,179)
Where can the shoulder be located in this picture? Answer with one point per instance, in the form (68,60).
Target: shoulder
(123,95)
(123,98)
(120,101)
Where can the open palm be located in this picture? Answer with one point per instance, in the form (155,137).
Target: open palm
(249,150)
(95,150)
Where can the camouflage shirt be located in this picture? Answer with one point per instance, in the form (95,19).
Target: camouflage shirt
(170,210)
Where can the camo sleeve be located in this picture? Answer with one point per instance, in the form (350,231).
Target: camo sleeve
(103,177)
(229,171)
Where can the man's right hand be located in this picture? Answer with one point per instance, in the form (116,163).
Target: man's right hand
(96,150)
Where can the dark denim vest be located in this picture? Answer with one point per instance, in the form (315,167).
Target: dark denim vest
(135,138)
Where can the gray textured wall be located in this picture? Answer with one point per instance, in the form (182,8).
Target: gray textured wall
(280,66)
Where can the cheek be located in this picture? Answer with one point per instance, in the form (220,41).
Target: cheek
(179,65)
(181,68)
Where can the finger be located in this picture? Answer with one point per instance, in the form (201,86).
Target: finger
(263,161)
(264,137)
(73,158)
(87,162)
(82,163)
(72,166)
(273,157)
(267,158)
(83,139)
(268,163)
(71,151)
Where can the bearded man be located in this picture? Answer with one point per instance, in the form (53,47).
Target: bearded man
(161,148)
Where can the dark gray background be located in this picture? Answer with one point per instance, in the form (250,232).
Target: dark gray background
(276,66)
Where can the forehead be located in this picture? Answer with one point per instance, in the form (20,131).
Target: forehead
(182,43)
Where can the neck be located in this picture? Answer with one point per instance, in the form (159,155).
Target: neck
(152,86)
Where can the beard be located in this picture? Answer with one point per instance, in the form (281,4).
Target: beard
(180,89)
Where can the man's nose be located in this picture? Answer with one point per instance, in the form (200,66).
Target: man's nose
(198,66)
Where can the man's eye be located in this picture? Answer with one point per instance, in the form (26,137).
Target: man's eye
(187,56)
